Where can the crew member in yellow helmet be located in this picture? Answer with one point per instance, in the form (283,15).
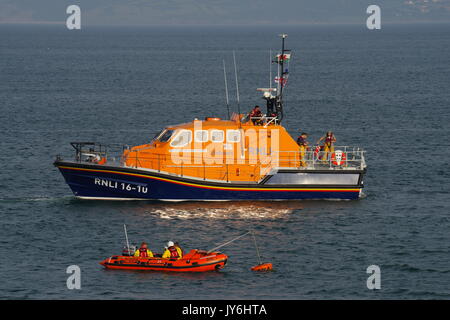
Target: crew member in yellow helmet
(172,252)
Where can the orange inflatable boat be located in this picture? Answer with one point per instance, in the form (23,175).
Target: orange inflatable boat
(194,261)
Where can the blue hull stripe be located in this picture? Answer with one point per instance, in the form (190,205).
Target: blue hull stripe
(111,183)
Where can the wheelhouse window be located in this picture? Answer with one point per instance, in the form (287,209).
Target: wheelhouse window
(217,136)
(158,135)
(201,136)
(181,139)
(166,136)
(233,136)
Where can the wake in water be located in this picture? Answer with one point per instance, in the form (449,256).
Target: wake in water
(224,210)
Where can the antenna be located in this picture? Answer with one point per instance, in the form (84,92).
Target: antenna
(126,237)
(226,89)
(237,85)
(270,68)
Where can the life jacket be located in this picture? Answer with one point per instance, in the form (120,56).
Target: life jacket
(181,250)
(329,140)
(143,253)
(173,253)
(255,113)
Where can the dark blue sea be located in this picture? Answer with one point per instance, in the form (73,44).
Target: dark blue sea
(386,91)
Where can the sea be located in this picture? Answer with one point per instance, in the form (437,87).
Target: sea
(386,91)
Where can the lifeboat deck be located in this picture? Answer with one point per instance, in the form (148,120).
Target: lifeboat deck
(286,161)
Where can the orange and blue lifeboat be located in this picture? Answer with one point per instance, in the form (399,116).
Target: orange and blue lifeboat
(214,160)
(246,157)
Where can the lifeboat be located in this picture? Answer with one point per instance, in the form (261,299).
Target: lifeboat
(243,157)
(194,261)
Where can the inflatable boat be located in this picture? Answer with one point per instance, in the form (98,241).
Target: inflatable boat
(194,261)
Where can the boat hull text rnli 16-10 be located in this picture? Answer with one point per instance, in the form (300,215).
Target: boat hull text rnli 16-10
(240,158)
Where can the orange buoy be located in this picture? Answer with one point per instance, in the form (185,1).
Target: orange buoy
(263,267)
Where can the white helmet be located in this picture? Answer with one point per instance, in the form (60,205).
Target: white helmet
(170,244)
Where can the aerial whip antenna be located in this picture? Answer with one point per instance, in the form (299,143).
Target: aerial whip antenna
(270,68)
(237,86)
(226,89)
(239,108)
(126,237)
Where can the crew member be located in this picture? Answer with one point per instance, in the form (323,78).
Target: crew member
(172,252)
(303,144)
(178,246)
(144,251)
(328,146)
(256,113)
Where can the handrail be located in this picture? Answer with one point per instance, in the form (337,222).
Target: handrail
(265,120)
(202,166)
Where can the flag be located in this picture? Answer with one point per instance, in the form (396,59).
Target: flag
(285,57)
(283,80)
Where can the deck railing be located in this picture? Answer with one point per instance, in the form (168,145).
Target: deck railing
(226,169)
(339,158)
(264,120)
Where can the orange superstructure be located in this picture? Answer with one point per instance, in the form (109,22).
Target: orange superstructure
(216,149)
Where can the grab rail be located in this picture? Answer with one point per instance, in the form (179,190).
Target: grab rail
(204,167)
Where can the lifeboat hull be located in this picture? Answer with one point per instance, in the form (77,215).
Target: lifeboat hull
(194,261)
(89,181)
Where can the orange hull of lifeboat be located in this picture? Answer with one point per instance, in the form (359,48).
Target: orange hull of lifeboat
(194,261)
